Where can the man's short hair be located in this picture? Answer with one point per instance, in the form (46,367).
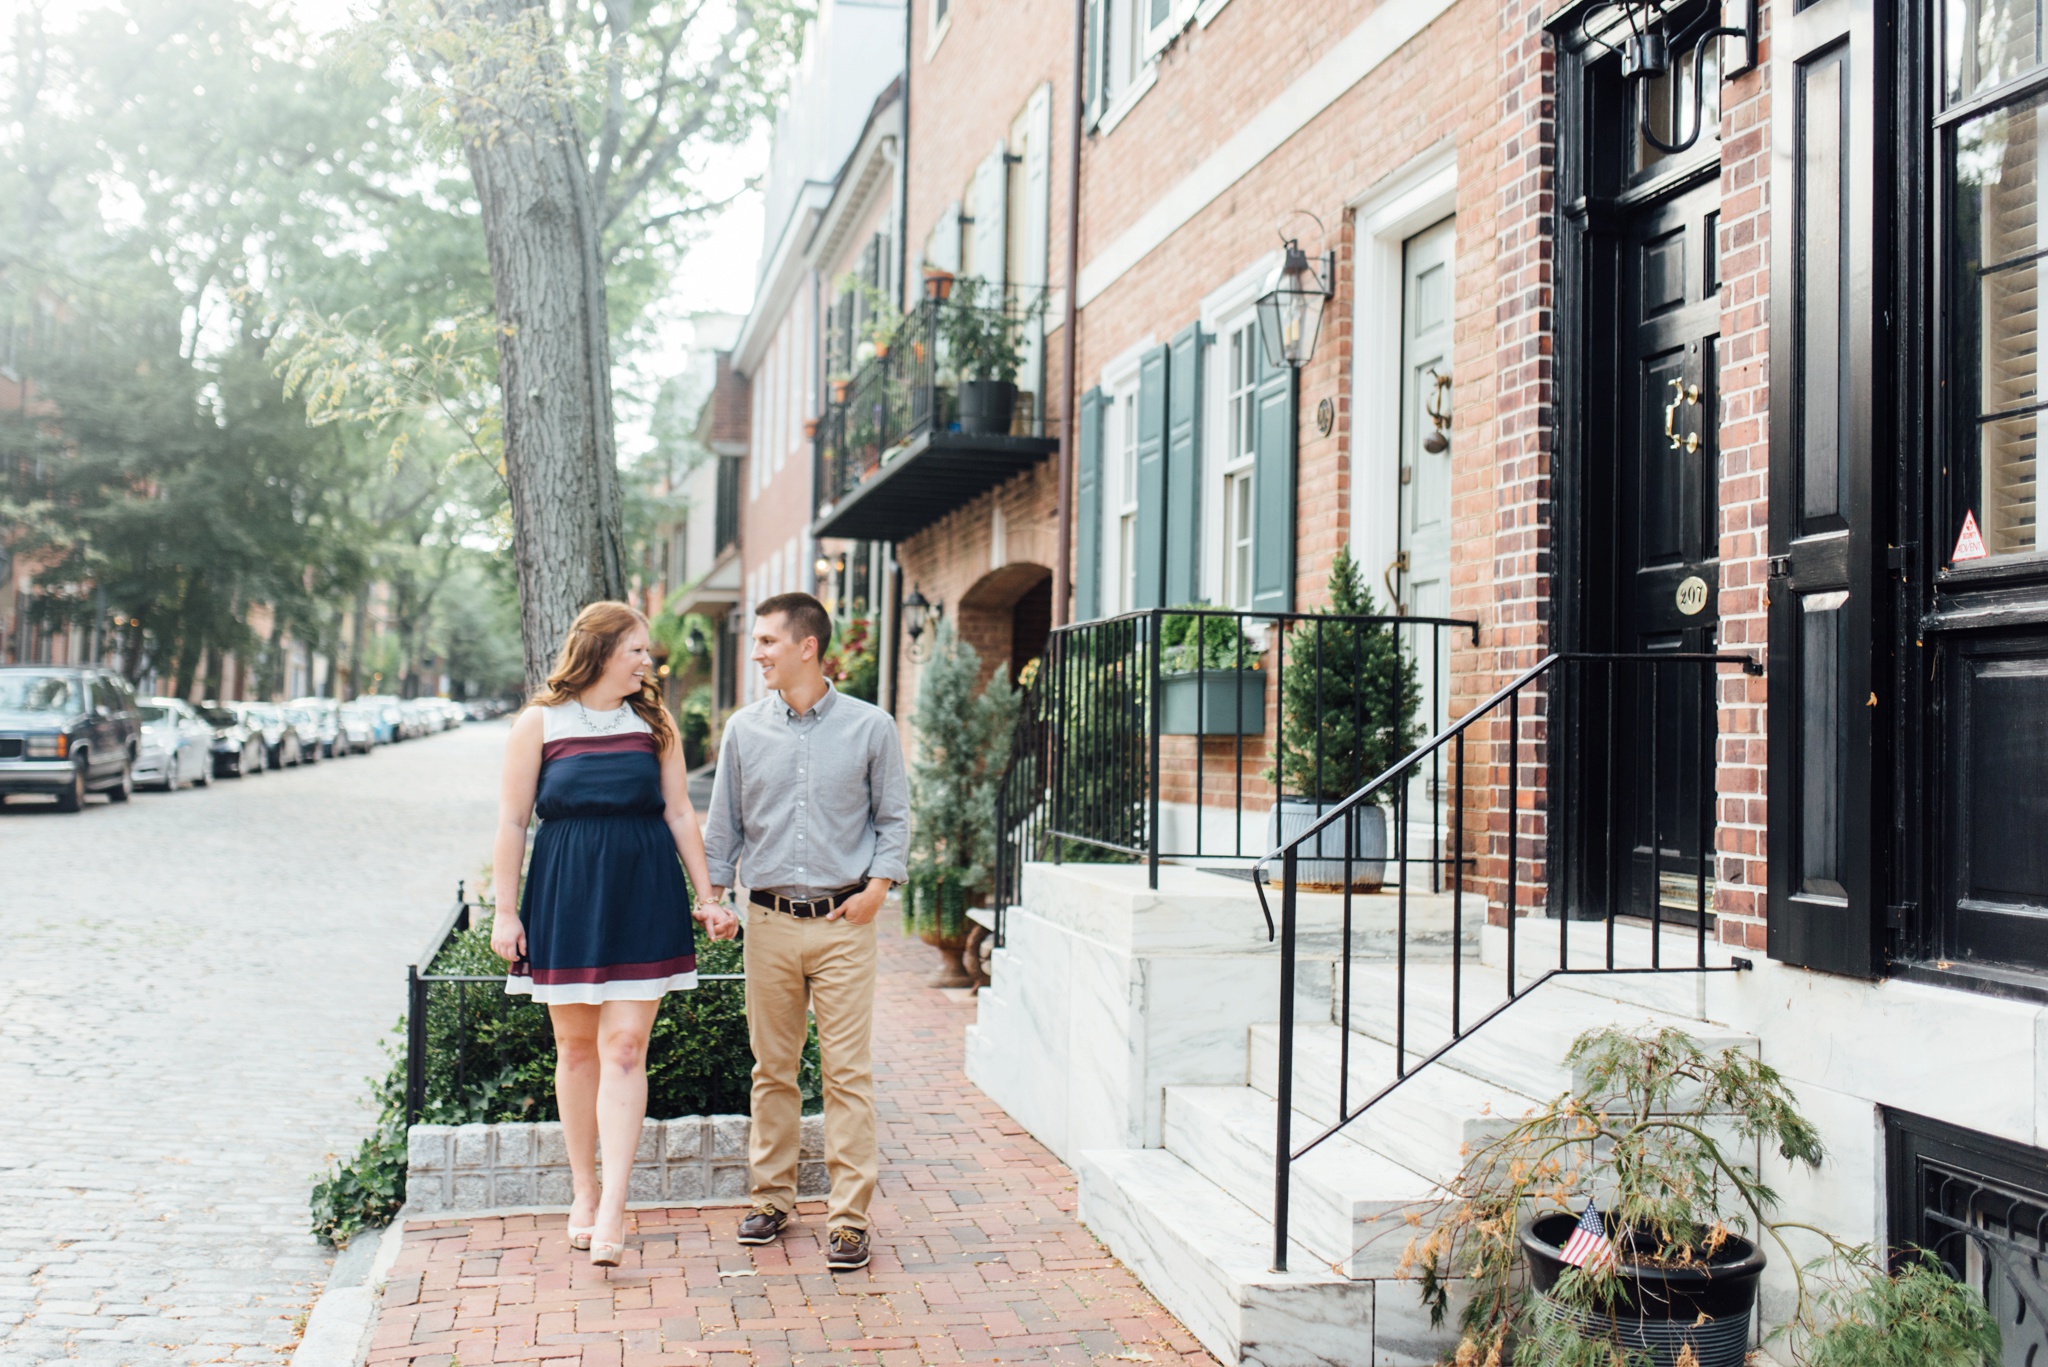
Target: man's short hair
(805,614)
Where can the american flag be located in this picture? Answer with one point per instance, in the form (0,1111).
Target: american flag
(1589,1245)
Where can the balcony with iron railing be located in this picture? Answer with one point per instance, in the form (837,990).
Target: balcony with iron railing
(927,424)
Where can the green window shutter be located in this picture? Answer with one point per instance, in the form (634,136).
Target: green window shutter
(1088,508)
(1273,492)
(1151,537)
(1184,469)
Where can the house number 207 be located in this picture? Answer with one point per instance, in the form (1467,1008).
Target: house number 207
(1692,595)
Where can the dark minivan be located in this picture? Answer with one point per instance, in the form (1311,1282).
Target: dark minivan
(66,731)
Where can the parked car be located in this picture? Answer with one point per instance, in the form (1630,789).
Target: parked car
(237,745)
(357,732)
(413,720)
(382,717)
(175,746)
(391,713)
(317,726)
(66,732)
(282,745)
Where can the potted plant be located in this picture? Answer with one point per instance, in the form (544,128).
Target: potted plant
(851,664)
(964,734)
(1654,1142)
(983,342)
(1348,699)
(1210,682)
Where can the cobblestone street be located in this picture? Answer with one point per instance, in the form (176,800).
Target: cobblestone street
(196,987)
(978,1256)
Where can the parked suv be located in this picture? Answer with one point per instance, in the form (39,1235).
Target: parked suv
(67,731)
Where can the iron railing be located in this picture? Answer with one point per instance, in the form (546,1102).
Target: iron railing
(1618,853)
(911,387)
(421,983)
(1157,735)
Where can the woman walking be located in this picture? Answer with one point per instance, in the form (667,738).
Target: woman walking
(605,928)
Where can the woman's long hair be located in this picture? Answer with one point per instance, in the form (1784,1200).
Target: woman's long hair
(587,649)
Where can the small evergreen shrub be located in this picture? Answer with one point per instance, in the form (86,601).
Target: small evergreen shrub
(1348,696)
(964,736)
(698,1063)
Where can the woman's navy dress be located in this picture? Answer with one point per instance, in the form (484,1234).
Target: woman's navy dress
(606,907)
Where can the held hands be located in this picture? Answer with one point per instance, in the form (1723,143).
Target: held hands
(508,937)
(717,918)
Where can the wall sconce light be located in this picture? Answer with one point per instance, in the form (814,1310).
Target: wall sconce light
(916,613)
(1646,32)
(1291,309)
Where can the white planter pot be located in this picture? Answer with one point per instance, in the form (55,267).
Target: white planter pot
(1321,861)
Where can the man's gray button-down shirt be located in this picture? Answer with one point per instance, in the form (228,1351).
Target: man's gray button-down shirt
(808,803)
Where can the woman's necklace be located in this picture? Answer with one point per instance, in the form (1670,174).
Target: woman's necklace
(618,718)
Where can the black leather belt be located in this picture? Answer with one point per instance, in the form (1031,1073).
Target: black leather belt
(817,906)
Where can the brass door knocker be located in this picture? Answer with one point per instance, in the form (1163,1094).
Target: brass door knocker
(1437,407)
(1682,394)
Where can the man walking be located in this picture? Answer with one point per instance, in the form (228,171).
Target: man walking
(810,810)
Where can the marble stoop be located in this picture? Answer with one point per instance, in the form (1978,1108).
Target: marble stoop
(1425,1125)
(1208,1259)
(1353,1209)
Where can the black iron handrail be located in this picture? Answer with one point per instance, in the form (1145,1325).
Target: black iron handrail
(1085,772)
(421,981)
(1546,685)
(909,387)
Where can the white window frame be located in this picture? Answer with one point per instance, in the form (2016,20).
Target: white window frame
(1226,309)
(937,26)
(1119,458)
(1236,451)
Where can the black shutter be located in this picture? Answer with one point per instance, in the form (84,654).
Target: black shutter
(1151,534)
(1184,468)
(1088,508)
(1823,889)
(1273,489)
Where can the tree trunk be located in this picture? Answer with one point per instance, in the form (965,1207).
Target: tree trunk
(541,228)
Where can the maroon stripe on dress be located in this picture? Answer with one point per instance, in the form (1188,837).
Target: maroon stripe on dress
(599,745)
(617,973)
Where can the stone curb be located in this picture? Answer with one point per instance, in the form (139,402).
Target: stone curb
(344,1319)
(464,1170)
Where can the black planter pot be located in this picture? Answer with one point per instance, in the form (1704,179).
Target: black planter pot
(986,407)
(1661,1310)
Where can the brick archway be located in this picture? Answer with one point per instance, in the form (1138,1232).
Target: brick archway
(1007,615)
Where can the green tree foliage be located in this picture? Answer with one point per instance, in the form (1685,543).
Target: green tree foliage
(964,734)
(1348,695)
(182,185)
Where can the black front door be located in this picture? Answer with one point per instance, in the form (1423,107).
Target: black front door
(1667,547)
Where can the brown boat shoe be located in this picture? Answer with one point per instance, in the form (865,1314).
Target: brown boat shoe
(846,1249)
(764,1225)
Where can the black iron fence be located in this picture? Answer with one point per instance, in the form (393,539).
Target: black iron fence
(1585,789)
(912,385)
(1194,734)
(446,1052)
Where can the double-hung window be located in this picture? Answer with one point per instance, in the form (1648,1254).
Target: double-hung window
(1123,429)
(1997,230)
(1240,418)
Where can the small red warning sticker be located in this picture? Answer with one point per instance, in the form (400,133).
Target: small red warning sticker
(1970,545)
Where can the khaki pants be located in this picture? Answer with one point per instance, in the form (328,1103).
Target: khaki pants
(829,966)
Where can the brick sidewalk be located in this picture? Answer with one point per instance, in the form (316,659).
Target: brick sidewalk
(977,1254)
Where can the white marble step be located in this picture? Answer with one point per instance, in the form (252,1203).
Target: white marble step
(1425,1125)
(1348,1206)
(1523,1048)
(1209,1258)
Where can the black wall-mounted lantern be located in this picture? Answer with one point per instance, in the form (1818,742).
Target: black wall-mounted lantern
(917,611)
(1647,32)
(1291,309)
